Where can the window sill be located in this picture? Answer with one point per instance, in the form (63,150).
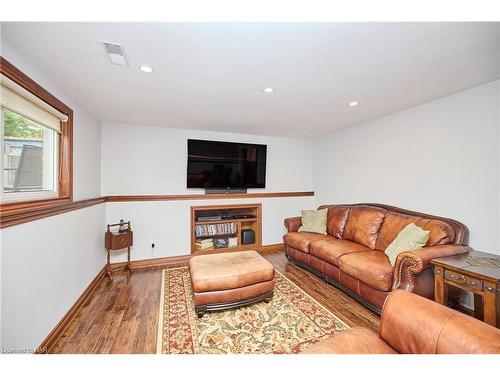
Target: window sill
(21,197)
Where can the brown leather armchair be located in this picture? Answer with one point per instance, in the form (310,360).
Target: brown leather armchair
(411,324)
(351,254)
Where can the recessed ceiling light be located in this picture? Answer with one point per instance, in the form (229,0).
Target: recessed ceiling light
(268,90)
(145,69)
(353,103)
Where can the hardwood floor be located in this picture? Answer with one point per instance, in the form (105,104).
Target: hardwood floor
(122,316)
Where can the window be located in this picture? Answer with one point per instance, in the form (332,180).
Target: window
(29,158)
(36,133)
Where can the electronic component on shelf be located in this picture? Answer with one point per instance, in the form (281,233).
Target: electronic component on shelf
(240,216)
(247,236)
(208,218)
(224,217)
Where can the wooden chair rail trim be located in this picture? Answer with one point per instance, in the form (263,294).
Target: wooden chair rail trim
(48,344)
(182,197)
(23,212)
(19,215)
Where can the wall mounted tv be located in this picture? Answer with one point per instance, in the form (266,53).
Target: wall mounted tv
(225,166)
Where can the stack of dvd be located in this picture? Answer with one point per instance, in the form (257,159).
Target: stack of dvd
(201,244)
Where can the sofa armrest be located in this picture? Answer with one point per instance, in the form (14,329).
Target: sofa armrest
(413,262)
(292,224)
(416,325)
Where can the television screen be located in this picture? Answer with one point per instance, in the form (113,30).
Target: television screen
(216,165)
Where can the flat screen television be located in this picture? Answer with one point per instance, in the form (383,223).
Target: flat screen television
(225,165)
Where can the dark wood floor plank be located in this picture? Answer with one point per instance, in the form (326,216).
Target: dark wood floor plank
(110,327)
(91,335)
(135,330)
(127,330)
(83,322)
(151,312)
(122,315)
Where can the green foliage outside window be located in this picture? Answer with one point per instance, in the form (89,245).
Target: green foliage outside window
(17,126)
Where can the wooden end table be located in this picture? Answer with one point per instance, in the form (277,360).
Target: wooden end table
(474,272)
(118,241)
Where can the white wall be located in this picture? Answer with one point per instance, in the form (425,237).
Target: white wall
(152,160)
(441,157)
(86,128)
(46,264)
(167,223)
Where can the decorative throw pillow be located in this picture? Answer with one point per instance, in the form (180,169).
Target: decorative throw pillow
(314,221)
(411,237)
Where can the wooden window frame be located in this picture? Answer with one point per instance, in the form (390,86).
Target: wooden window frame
(65,152)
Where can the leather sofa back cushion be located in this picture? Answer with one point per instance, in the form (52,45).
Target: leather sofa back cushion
(336,221)
(363,225)
(441,233)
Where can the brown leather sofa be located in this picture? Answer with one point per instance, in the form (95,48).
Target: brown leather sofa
(411,324)
(351,255)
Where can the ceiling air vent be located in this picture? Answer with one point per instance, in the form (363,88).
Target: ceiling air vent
(116,53)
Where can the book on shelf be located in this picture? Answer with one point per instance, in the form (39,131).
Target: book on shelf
(220,243)
(201,244)
(206,230)
(204,241)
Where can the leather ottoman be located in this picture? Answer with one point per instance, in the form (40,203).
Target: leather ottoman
(228,280)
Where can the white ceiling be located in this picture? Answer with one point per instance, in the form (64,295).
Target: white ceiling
(210,76)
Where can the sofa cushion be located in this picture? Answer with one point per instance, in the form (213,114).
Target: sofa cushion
(357,340)
(336,220)
(331,249)
(371,267)
(314,221)
(441,233)
(363,225)
(410,238)
(302,240)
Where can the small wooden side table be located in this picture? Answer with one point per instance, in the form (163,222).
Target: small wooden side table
(475,272)
(115,240)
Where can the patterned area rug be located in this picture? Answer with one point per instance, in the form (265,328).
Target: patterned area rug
(291,322)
